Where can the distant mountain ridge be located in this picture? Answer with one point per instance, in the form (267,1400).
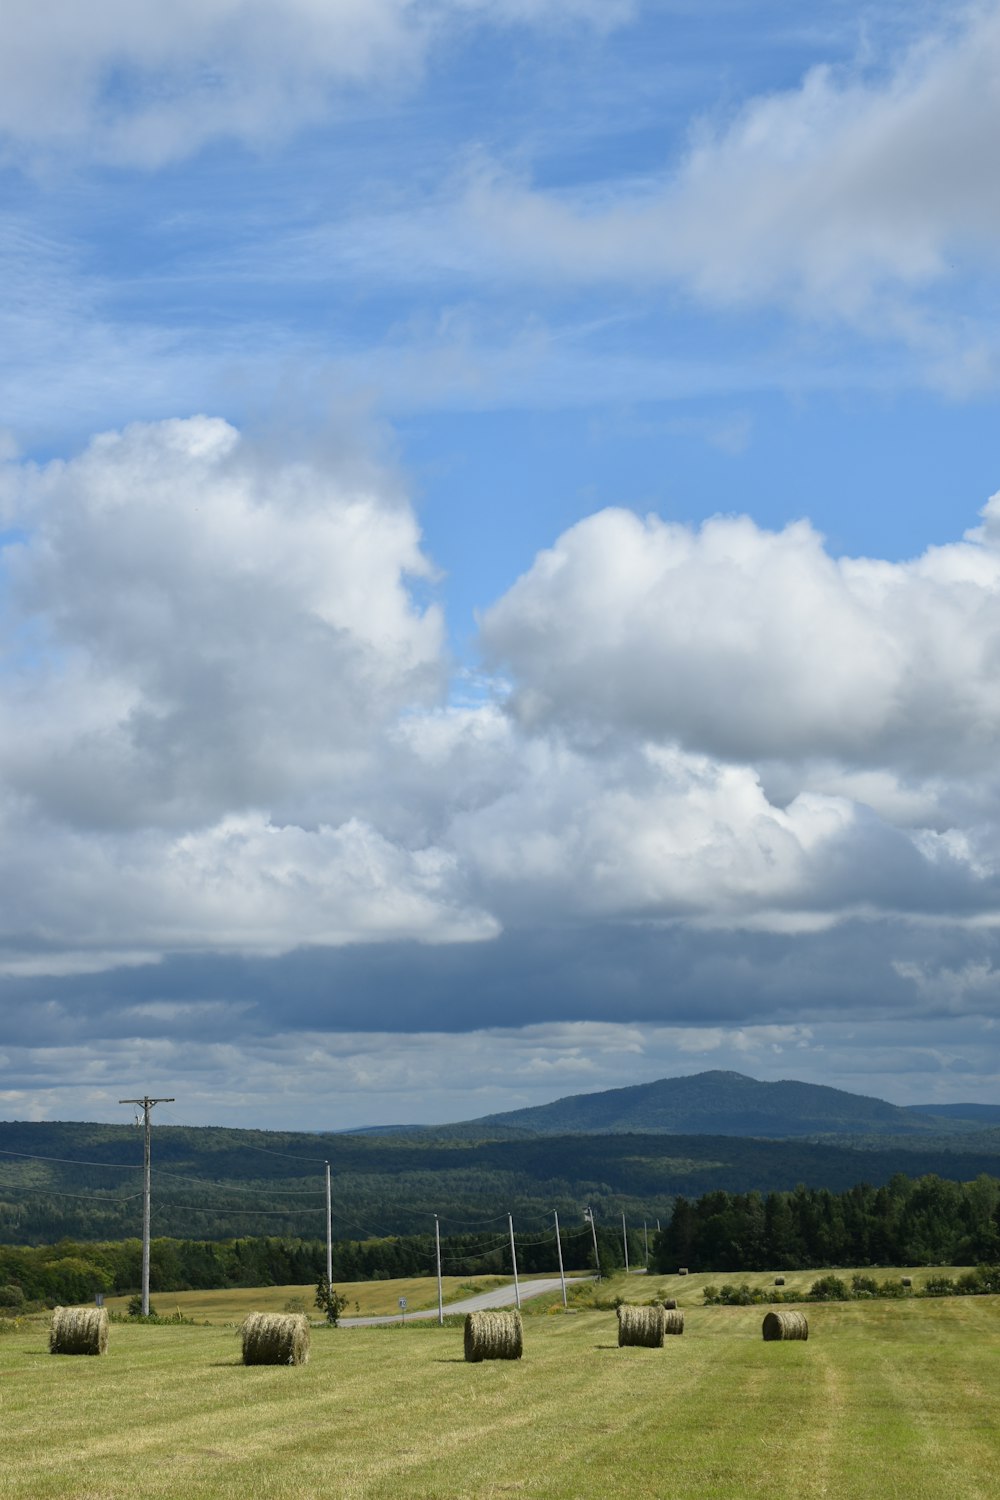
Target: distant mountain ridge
(727,1103)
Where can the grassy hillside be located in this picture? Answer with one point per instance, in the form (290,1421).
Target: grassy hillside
(884,1399)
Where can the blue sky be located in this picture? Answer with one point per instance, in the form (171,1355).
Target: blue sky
(500,590)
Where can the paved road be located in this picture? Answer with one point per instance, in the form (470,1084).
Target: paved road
(500,1296)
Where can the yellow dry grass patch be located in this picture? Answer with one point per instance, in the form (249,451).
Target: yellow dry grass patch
(364,1298)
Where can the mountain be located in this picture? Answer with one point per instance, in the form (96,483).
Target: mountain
(714,1103)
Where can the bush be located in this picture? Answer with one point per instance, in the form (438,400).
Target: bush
(829,1289)
(892,1288)
(984,1280)
(939,1286)
(11,1296)
(155,1317)
(135,1308)
(864,1286)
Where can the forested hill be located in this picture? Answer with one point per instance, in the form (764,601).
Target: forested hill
(717,1103)
(84,1180)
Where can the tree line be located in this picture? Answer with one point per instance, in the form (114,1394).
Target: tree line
(74,1272)
(924,1221)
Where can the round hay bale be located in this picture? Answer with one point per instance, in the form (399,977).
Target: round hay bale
(779,1281)
(670,1303)
(673,1322)
(785,1325)
(79,1330)
(641,1326)
(493,1335)
(682,1270)
(907,1280)
(275,1338)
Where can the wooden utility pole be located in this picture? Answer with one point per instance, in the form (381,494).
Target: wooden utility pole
(147,1105)
(329,1231)
(588,1214)
(562,1274)
(513,1260)
(437,1247)
(625,1241)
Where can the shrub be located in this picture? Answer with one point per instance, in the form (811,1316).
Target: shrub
(939,1286)
(829,1289)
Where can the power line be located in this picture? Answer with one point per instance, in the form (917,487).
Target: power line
(227,1187)
(73,1161)
(55,1193)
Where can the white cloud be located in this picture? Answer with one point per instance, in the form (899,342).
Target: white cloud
(197,625)
(136,82)
(243,885)
(222,726)
(204,644)
(839,198)
(754,645)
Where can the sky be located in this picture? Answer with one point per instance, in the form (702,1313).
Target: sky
(499,552)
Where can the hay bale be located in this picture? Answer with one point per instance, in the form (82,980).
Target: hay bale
(779,1281)
(493,1335)
(670,1303)
(275,1338)
(641,1326)
(682,1270)
(673,1322)
(79,1330)
(785,1325)
(907,1280)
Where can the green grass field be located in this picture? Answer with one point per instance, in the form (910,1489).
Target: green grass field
(887,1399)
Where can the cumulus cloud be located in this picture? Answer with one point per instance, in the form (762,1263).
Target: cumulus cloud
(753,646)
(138,83)
(204,642)
(196,626)
(736,782)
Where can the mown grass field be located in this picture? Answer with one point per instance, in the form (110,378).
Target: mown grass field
(887,1399)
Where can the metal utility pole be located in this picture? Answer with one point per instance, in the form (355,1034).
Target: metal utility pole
(588,1214)
(437,1247)
(625,1241)
(329,1230)
(513,1260)
(562,1274)
(645,1241)
(147,1105)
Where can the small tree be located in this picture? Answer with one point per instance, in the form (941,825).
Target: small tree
(329,1301)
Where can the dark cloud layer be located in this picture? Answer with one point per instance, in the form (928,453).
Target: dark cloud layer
(612,973)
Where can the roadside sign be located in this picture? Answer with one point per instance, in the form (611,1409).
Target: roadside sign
(402,1304)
